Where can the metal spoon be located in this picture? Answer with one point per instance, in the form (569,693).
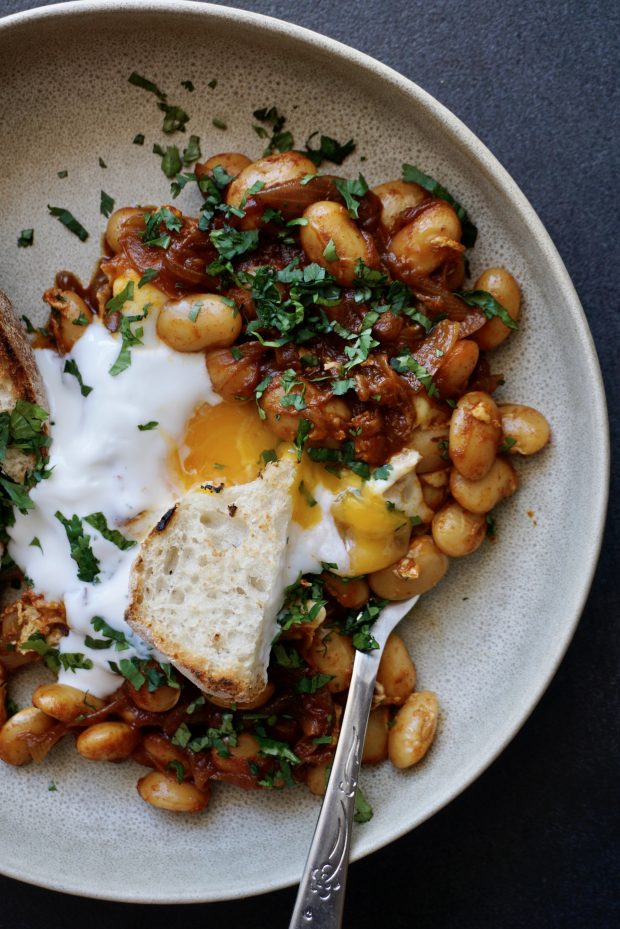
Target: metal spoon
(320,898)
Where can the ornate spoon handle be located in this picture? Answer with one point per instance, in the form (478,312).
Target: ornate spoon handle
(320,899)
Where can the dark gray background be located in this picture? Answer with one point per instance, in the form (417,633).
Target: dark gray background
(534,842)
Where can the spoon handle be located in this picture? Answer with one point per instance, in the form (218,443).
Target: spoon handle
(320,899)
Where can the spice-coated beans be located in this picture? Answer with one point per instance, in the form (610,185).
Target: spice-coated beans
(376,741)
(433,236)
(317,777)
(432,445)
(164,792)
(69,319)
(161,750)
(422,567)
(233,164)
(198,322)
(285,424)
(396,196)
(156,701)
(456,369)
(456,531)
(261,698)
(331,653)
(500,284)
(352,593)
(526,426)
(396,674)
(246,749)
(413,730)
(335,242)
(109,741)
(269,171)
(116,222)
(13,744)
(475,432)
(481,496)
(64,703)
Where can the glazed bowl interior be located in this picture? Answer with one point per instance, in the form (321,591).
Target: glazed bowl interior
(489,638)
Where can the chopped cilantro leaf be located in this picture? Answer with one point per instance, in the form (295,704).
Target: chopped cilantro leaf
(192,152)
(149,275)
(488,304)
(304,429)
(130,338)
(402,363)
(212,83)
(116,303)
(188,85)
(138,139)
(329,150)
(146,427)
(36,543)
(106,205)
(363,810)
(72,368)
(310,685)
(413,175)
(269,455)
(352,191)
(219,123)
(81,552)
(145,84)
(26,238)
(63,174)
(100,523)
(329,252)
(69,221)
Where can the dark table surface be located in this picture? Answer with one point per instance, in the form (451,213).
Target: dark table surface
(534,842)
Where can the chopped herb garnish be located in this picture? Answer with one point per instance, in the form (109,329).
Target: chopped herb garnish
(363,810)
(26,238)
(188,85)
(382,473)
(212,84)
(52,787)
(114,635)
(195,310)
(116,303)
(192,152)
(62,174)
(269,455)
(138,139)
(508,443)
(219,123)
(72,368)
(329,252)
(303,490)
(171,162)
(329,150)
(411,174)
(488,304)
(233,242)
(102,163)
(130,338)
(304,429)
(149,275)
(175,118)
(491,526)
(146,427)
(352,191)
(106,205)
(310,685)
(81,552)
(176,766)
(69,220)
(100,523)
(404,363)
(36,543)
(281,140)
(139,81)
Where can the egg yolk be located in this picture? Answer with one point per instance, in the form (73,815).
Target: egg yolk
(374,532)
(223,443)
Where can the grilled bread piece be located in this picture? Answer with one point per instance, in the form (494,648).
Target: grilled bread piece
(19,380)
(208,582)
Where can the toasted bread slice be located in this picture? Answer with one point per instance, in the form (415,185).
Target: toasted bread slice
(209,581)
(19,380)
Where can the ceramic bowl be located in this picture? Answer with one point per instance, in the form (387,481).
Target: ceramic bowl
(491,636)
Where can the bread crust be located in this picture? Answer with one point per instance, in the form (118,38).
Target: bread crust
(20,379)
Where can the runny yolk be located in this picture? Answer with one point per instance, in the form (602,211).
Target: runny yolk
(223,443)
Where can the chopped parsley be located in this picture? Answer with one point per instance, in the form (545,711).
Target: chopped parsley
(329,150)
(140,671)
(219,123)
(310,685)
(106,204)
(102,163)
(69,221)
(269,455)
(231,243)
(281,140)
(192,151)
(177,766)
(100,523)
(72,368)
(297,608)
(146,427)
(116,303)
(111,636)
(138,81)
(62,174)
(411,174)
(352,191)
(488,304)
(26,238)
(149,275)
(329,252)
(81,552)
(508,443)
(402,363)
(358,623)
(188,85)
(36,543)
(138,139)
(363,810)
(304,428)
(130,338)
(53,658)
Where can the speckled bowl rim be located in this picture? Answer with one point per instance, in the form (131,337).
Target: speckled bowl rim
(498,177)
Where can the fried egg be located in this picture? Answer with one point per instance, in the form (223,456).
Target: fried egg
(129,445)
